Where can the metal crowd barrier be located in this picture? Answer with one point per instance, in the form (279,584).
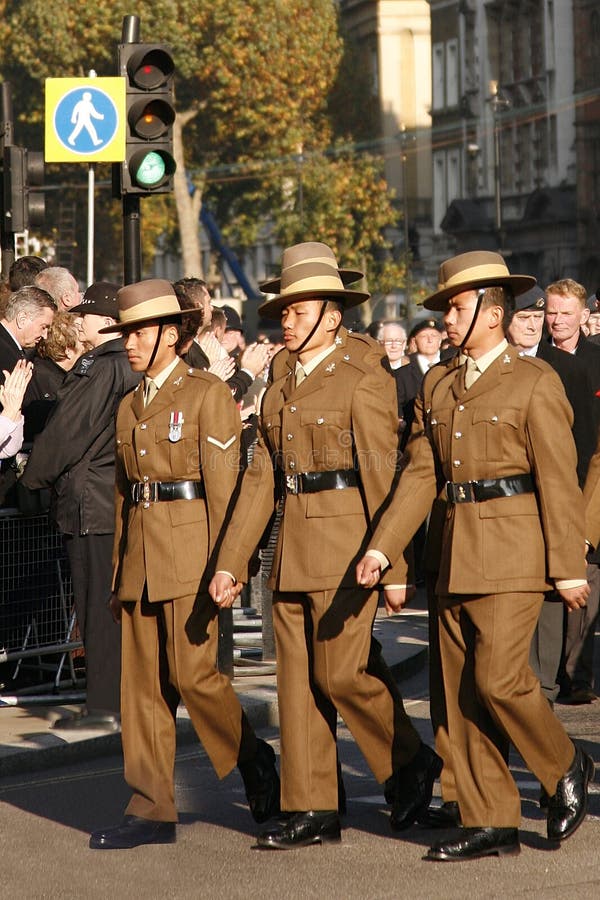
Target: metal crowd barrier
(38,631)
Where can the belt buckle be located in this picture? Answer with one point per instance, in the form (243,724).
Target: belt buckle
(292,483)
(463,492)
(146,492)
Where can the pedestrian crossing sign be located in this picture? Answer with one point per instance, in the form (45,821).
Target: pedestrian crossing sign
(85,120)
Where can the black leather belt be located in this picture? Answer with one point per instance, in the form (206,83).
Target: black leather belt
(155,491)
(312,482)
(488,488)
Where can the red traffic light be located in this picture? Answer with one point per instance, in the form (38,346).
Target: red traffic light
(150,67)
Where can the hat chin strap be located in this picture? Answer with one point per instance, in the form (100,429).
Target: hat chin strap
(480,294)
(313,329)
(156,343)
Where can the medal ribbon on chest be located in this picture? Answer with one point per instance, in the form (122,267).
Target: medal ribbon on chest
(175,426)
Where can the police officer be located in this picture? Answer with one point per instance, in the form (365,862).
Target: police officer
(328,432)
(177,466)
(513,528)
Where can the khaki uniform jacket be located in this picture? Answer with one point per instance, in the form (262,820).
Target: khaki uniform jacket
(591,496)
(167,545)
(515,419)
(343,415)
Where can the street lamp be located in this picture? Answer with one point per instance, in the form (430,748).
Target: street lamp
(497,104)
(404,140)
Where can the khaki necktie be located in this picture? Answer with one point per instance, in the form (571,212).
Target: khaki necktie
(472,373)
(150,392)
(300,374)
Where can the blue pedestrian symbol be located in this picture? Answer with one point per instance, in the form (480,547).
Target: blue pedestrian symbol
(86,120)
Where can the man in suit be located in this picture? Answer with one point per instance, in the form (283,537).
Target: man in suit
(75,456)
(567,310)
(28,315)
(177,467)
(513,529)
(427,336)
(328,436)
(525,334)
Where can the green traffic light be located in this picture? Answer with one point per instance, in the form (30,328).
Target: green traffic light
(151,170)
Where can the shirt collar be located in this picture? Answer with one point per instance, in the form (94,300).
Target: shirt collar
(160,379)
(312,364)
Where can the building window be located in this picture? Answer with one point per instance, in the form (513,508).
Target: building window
(438,76)
(452,73)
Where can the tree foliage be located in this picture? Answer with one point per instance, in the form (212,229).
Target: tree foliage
(254,84)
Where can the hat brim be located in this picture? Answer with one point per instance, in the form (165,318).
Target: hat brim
(348,276)
(517,283)
(133,323)
(272,308)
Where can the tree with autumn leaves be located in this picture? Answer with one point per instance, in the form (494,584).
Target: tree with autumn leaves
(255,133)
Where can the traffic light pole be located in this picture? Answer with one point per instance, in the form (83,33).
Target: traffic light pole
(132,236)
(132,241)
(7,238)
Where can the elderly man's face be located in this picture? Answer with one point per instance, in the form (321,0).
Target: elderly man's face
(525,329)
(393,339)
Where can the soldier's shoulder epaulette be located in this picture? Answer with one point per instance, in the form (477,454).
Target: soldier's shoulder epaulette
(539,364)
(362,352)
(201,374)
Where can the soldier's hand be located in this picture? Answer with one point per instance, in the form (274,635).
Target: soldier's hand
(368,572)
(575,597)
(115,606)
(397,598)
(223,591)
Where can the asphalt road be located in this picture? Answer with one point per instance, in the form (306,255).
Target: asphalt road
(46,818)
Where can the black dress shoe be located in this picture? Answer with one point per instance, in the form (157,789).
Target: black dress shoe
(568,806)
(472,843)
(132,832)
(579,696)
(261,782)
(445,816)
(411,787)
(303,829)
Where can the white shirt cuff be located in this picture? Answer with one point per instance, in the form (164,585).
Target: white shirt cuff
(380,557)
(564,585)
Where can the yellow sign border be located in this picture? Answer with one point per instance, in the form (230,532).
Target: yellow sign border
(56,90)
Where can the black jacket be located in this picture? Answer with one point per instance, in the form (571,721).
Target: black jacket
(577,382)
(75,453)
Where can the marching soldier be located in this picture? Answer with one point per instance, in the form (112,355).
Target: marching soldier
(328,435)
(492,438)
(177,467)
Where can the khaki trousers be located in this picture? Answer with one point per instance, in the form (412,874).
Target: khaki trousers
(493,698)
(324,666)
(169,652)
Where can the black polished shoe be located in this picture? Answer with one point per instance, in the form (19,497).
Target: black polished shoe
(445,816)
(473,843)
(132,832)
(568,806)
(412,786)
(303,829)
(261,782)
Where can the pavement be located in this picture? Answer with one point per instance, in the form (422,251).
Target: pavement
(30,742)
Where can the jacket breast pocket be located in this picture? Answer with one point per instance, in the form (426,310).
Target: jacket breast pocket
(330,437)
(493,432)
(178,454)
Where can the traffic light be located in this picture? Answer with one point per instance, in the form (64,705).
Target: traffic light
(23,207)
(149,164)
